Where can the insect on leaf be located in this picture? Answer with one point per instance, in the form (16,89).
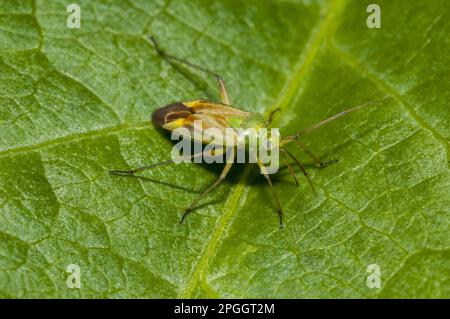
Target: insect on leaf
(76,103)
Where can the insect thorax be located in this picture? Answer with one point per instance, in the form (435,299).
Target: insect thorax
(254,127)
(254,120)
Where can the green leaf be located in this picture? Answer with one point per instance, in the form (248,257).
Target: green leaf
(76,103)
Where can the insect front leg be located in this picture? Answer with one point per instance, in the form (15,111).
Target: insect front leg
(301,168)
(222,176)
(291,171)
(277,200)
(316,159)
(272,114)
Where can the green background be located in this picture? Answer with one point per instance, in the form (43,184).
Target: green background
(75,103)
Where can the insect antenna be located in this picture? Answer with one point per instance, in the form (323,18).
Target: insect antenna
(307,130)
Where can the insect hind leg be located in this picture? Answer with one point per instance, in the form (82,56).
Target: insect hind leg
(150,166)
(140,169)
(171,58)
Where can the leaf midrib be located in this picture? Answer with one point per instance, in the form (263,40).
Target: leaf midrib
(330,16)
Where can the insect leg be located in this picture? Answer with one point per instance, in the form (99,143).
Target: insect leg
(222,88)
(289,168)
(210,188)
(146,167)
(223,91)
(272,113)
(301,168)
(316,159)
(277,200)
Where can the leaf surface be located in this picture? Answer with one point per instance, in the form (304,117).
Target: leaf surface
(76,103)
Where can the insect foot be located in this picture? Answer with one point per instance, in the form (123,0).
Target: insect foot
(328,163)
(130,172)
(186,212)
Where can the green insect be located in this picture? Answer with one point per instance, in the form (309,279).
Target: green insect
(222,116)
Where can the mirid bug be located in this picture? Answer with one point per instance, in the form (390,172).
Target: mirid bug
(221,116)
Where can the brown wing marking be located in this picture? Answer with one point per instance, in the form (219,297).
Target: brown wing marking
(170,113)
